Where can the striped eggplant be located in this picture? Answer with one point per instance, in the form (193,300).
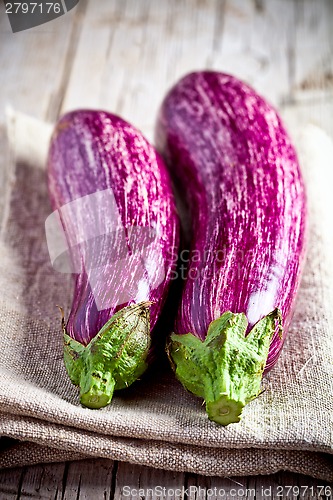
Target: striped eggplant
(231,155)
(115,226)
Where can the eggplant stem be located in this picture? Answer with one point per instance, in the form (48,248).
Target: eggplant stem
(226,368)
(113,359)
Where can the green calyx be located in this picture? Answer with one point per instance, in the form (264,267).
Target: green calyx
(112,360)
(226,368)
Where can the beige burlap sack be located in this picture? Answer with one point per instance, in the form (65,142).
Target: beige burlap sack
(155,422)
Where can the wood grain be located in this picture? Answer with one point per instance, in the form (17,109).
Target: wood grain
(88,480)
(42,481)
(101,479)
(123,56)
(151,482)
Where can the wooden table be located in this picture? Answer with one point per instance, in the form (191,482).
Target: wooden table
(102,479)
(122,55)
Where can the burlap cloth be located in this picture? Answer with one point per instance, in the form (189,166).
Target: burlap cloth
(155,422)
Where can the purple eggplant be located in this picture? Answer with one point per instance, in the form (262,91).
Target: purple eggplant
(238,171)
(115,211)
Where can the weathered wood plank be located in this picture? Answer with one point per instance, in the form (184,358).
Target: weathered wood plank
(286,485)
(135,51)
(42,482)
(88,480)
(124,45)
(201,487)
(10,483)
(313,46)
(310,63)
(90,63)
(123,55)
(311,96)
(134,481)
(100,479)
(282,486)
(57,96)
(34,64)
(257,40)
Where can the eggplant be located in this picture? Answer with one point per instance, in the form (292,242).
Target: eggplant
(236,167)
(115,226)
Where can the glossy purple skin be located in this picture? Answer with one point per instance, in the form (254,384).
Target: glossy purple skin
(93,151)
(232,156)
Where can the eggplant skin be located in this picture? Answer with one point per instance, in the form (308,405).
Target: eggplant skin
(231,156)
(93,151)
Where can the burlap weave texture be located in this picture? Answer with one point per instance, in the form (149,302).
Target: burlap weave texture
(155,422)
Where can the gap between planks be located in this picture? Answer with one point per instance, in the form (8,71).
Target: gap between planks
(101,479)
